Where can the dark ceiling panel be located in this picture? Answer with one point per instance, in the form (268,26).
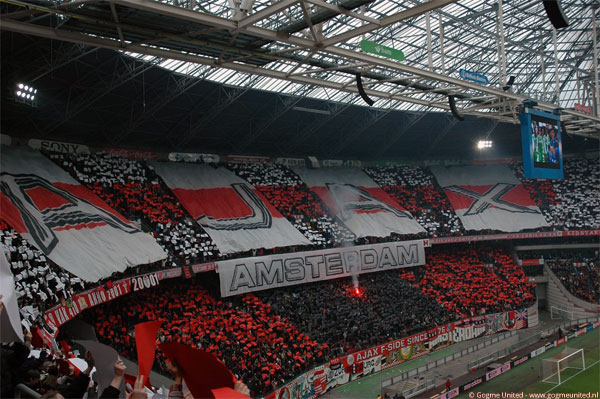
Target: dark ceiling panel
(110,112)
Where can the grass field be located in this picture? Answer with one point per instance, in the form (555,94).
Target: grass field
(526,377)
(523,378)
(587,381)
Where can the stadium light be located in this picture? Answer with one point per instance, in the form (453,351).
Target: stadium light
(26,94)
(484,144)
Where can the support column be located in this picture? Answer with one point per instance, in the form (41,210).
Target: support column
(443,59)
(501,53)
(556,78)
(595,53)
(543,66)
(428,27)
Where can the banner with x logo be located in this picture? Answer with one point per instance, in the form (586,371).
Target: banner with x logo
(489,197)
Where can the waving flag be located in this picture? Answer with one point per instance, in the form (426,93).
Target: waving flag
(489,197)
(235,214)
(359,202)
(66,221)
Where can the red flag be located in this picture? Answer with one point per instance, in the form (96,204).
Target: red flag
(65,347)
(145,341)
(202,371)
(36,338)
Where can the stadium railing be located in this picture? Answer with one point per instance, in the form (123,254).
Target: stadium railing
(414,391)
(436,363)
(22,389)
(525,342)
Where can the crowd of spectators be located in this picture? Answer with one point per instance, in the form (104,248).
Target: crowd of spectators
(575,277)
(35,369)
(572,203)
(578,196)
(472,280)
(416,189)
(259,346)
(39,283)
(351,314)
(274,335)
(32,364)
(137,193)
(577,269)
(268,337)
(290,195)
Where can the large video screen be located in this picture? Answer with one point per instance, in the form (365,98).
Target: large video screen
(544,140)
(542,145)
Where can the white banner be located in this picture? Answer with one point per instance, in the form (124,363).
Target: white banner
(489,197)
(66,221)
(191,157)
(239,276)
(233,212)
(359,202)
(10,320)
(58,146)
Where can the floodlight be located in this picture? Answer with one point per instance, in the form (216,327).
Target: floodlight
(481,144)
(25,94)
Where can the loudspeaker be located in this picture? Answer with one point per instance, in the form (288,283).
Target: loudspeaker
(510,82)
(556,14)
(453,109)
(361,90)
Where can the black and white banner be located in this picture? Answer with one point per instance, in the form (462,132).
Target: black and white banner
(489,197)
(67,222)
(239,276)
(359,202)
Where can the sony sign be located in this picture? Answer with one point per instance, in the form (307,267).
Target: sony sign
(58,146)
(240,276)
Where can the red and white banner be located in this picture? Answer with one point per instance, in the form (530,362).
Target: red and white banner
(66,221)
(204,267)
(60,314)
(132,154)
(531,262)
(235,215)
(514,236)
(489,197)
(359,202)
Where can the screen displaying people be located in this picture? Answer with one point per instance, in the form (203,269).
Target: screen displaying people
(545,142)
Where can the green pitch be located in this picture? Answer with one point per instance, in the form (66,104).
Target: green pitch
(523,378)
(587,381)
(527,377)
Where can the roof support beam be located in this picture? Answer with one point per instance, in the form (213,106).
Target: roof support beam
(275,8)
(392,19)
(221,23)
(113,10)
(343,11)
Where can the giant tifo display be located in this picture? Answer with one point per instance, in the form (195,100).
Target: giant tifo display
(297,279)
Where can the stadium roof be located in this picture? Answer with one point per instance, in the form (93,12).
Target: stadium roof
(311,49)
